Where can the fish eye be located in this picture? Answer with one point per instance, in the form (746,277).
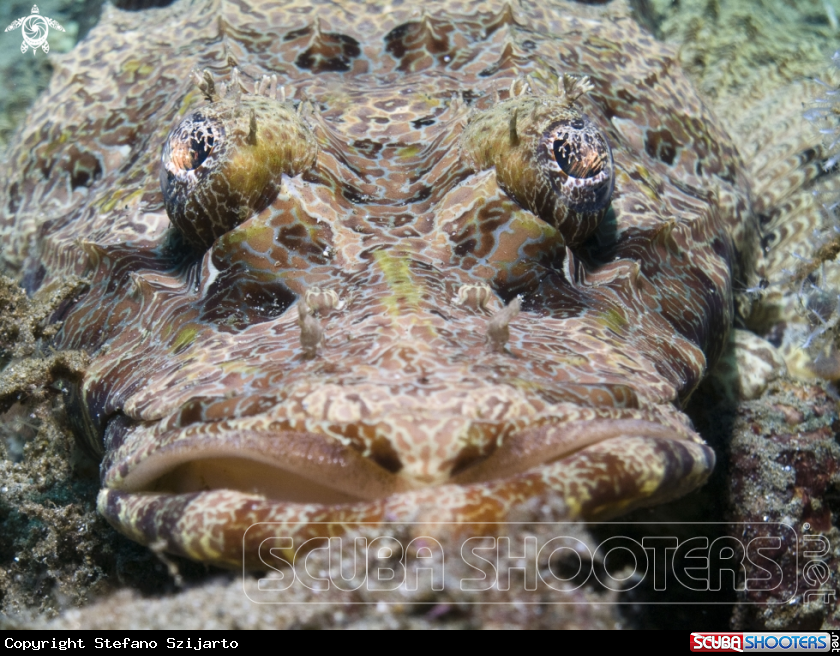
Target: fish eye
(550,158)
(579,164)
(224,163)
(192,142)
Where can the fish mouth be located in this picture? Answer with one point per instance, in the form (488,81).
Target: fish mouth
(221,506)
(215,491)
(338,444)
(362,461)
(279,465)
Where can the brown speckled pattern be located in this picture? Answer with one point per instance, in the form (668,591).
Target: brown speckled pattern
(403,412)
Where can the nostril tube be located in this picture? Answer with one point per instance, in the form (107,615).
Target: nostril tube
(310,331)
(498,331)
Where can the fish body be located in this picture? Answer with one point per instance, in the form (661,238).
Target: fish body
(411,262)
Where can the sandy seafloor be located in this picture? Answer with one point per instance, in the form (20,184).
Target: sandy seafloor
(61,565)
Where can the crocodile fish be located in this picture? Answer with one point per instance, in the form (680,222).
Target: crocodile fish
(365,262)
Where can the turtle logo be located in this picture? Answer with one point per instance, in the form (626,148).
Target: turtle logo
(35,30)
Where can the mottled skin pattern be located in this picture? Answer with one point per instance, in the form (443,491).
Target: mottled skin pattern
(225,389)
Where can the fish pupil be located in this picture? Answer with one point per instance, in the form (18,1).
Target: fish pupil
(201,145)
(576,162)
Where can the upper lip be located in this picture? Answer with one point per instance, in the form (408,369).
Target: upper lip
(332,463)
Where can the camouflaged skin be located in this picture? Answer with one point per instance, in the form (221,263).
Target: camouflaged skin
(792,191)
(327,359)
